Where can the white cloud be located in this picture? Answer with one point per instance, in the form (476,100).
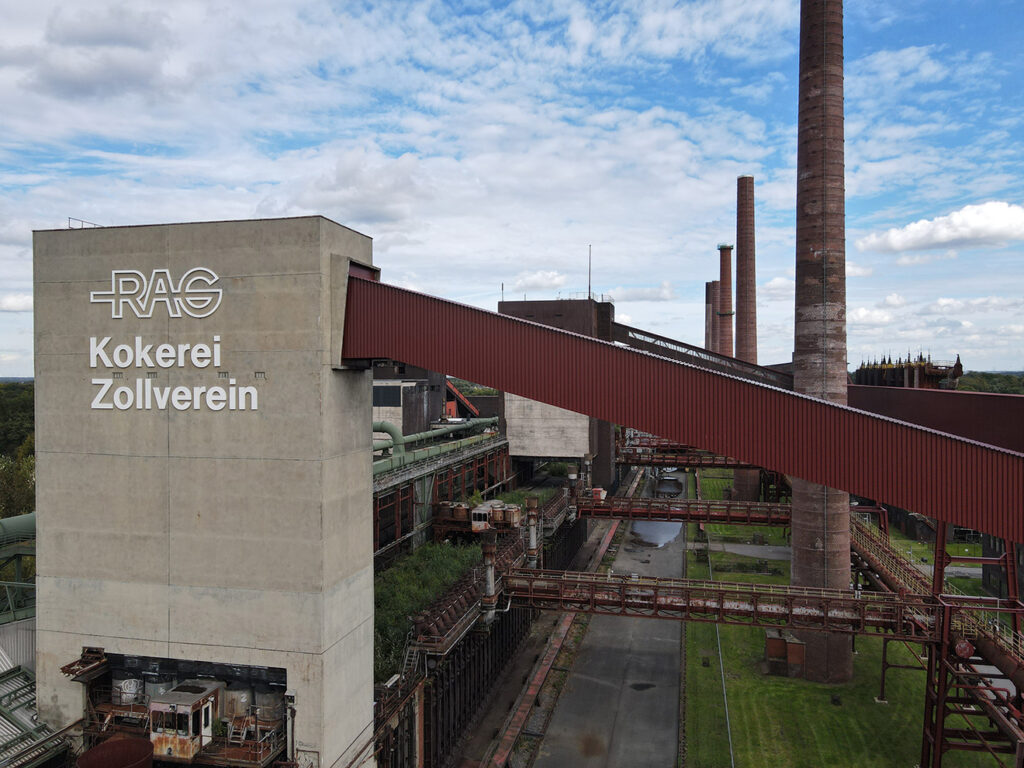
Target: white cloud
(866,316)
(856,270)
(539,281)
(945,305)
(992,223)
(622,317)
(915,259)
(778,289)
(663,292)
(16,302)
(893,300)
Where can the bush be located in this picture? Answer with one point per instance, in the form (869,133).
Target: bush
(406,588)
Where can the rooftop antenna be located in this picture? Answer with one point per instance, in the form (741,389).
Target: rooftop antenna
(590,254)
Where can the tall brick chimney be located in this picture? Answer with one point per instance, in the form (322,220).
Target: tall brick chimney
(746,278)
(709,339)
(725,300)
(716,325)
(821,516)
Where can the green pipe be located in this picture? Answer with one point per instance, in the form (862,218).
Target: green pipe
(398,441)
(419,454)
(18,526)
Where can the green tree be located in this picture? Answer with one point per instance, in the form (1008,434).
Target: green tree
(17,484)
(17,401)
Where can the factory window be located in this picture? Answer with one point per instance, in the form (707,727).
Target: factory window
(206,717)
(183,723)
(195,722)
(118,374)
(387,396)
(223,374)
(260,374)
(151,374)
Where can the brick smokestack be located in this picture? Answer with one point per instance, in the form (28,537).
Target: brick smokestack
(725,300)
(709,338)
(716,325)
(746,285)
(746,483)
(821,516)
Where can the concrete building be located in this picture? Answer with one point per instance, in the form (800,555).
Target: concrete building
(540,431)
(203,461)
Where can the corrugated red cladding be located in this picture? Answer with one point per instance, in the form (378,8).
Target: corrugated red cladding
(935,474)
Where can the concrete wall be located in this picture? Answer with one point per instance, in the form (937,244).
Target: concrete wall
(542,430)
(239,536)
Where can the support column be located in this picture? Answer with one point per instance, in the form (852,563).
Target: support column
(821,516)
(716,343)
(725,300)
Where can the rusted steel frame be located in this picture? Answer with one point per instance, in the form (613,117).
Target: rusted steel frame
(1012,585)
(940,559)
(692,459)
(741,604)
(686,510)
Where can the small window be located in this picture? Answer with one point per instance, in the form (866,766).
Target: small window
(223,374)
(206,716)
(387,396)
(151,374)
(195,723)
(260,374)
(118,374)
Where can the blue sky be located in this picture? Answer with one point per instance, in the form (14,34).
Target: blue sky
(482,143)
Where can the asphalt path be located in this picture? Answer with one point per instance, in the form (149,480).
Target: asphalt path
(620,703)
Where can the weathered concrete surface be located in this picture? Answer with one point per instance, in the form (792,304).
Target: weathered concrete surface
(217,535)
(620,704)
(539,429)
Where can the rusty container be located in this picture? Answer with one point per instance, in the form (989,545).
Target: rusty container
(118,753)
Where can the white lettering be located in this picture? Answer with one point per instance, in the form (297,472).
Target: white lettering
(165,355)
(253,398)
(216,351)
(122,356)
(142,358)
(197,399)
(201,355)
(194,294)
(96,352)
(123,398)
(181,398)
(162,394)
(104,385)
(182,350)
(216,398)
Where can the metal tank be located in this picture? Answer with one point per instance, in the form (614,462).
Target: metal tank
(119,753)
(238,697)
(269,703)
(157,685)
(126,688)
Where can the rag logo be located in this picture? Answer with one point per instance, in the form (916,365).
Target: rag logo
(194,294)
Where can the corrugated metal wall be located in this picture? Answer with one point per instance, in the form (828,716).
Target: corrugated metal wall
(18,639)
(935,474)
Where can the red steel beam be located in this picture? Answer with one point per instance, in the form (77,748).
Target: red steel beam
(939,475)
(909,617)
(686,511)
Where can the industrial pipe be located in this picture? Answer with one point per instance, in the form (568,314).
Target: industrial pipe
(18,527)
(419,454)
(398,441)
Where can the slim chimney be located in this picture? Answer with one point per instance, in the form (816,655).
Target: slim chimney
(725,300)
(820,515)
(746,279)
(716,325)
(709,339)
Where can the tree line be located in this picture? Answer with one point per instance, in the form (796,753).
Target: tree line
(17,448)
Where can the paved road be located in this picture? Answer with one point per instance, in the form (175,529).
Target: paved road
(620,704)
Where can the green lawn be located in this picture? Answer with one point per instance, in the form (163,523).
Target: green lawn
(926,549)
(789,723)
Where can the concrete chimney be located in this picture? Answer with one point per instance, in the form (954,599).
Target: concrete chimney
(725,300)
(709,339)
(716,325)
(746,279)
(821,516)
